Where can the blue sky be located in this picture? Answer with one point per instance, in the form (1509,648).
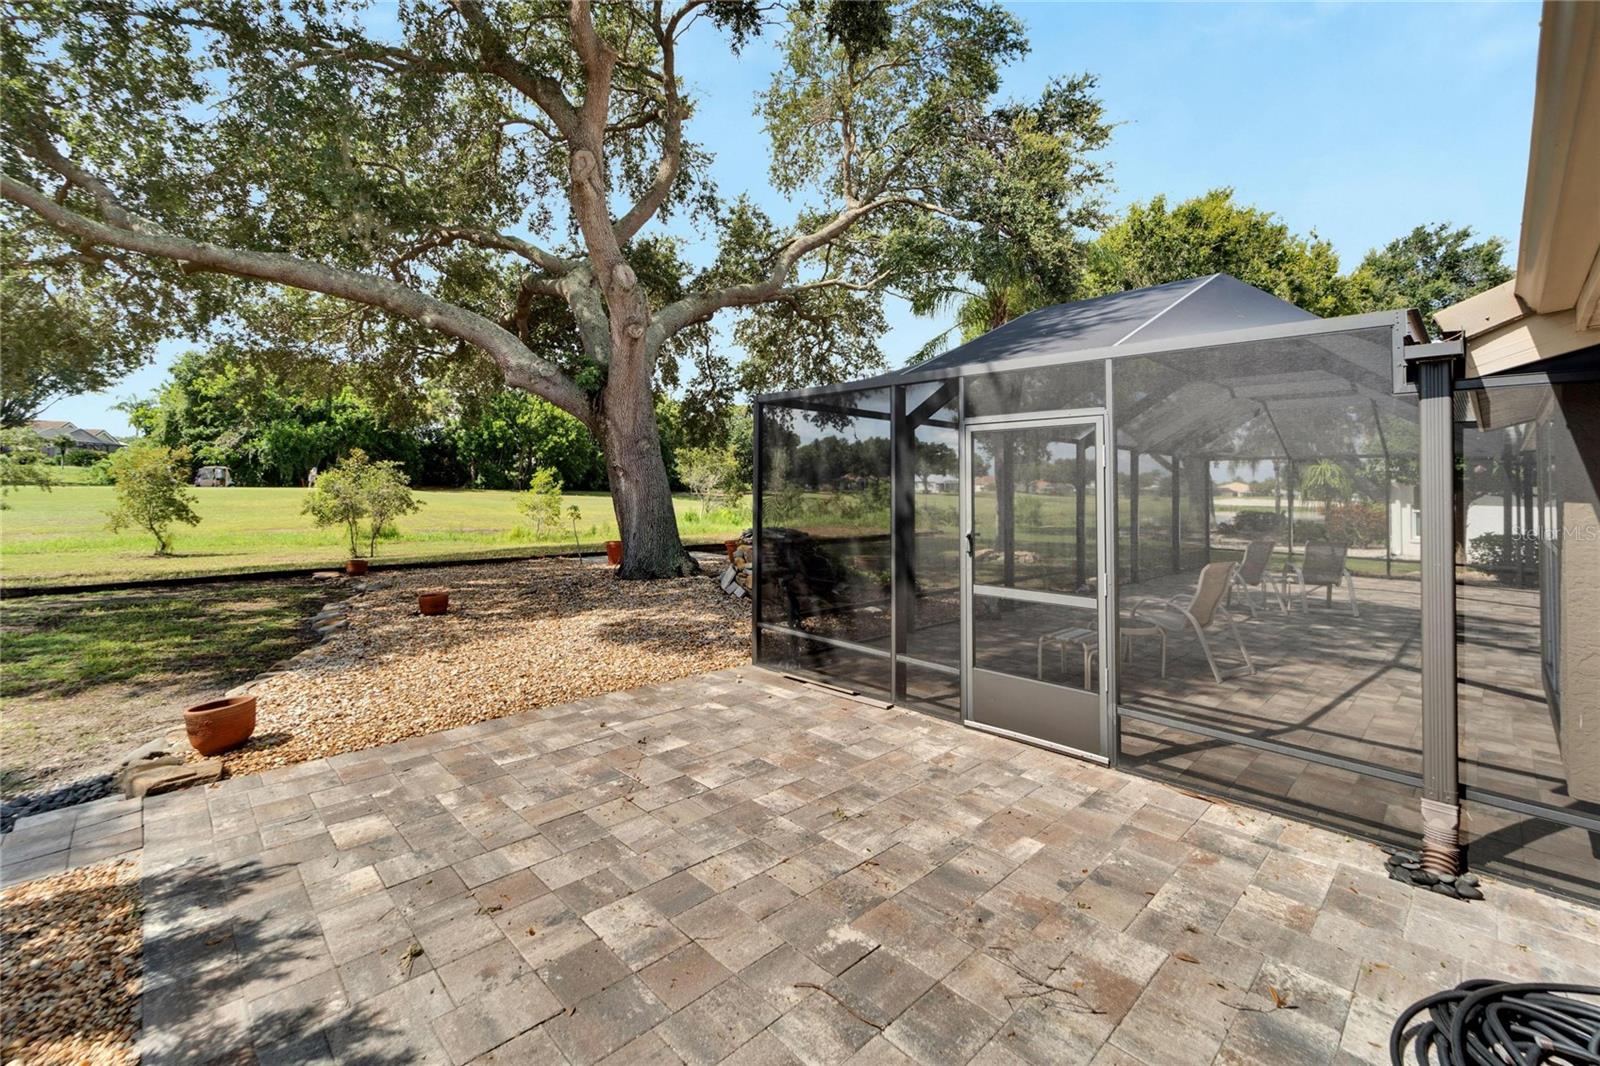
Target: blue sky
(1356,121)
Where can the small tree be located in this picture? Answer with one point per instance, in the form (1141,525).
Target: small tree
(574,514)
(22,461)
(708,471)
(339,497)
(542,502)
(152,491)
(388,496)
(363,496)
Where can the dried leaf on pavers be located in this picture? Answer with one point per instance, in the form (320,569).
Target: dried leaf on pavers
(1279,1000)
(519,636)
(70,967)
(1184,956)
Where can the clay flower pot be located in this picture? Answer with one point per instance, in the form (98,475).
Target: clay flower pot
(219,725)
(355,566)
(614,552)
(436,601)
(731,546)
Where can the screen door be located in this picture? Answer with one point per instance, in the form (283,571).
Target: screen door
(1033,577)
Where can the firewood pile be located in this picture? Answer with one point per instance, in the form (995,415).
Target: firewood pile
(800,570)
(738,576)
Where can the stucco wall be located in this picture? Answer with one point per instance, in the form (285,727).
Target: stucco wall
(1577,473)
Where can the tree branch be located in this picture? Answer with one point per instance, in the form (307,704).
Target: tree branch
(522,367)
(672,128)
(542,89)
(546,261)
(599,59)
(45,151)
(699,307)
(589,309)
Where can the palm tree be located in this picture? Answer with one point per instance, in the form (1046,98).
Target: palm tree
(978,311)
(1326,480)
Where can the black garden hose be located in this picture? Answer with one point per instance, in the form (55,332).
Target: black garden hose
(1488,1023)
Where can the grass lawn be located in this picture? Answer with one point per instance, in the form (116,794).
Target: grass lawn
(60,537)
(88,676)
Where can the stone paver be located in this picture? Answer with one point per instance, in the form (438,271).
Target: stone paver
(65,839)
(739,868)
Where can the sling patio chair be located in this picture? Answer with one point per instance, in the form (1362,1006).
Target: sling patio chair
(1323,567)
(1197,613)
(1252,574)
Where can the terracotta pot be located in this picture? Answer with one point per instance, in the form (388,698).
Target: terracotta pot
(732,546)
(219,725)
(433,602)
(614,552)
(356,566)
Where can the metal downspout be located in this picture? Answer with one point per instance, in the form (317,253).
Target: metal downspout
(1441,790)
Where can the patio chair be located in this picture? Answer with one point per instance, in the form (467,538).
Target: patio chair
(1198,612)
(1252,574)
(1322,567)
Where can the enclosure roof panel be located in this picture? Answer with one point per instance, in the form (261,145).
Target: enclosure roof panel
(1216,303)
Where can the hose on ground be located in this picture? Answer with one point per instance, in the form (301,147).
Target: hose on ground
(1490,1023)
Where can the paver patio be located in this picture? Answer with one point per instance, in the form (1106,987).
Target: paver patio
(741,868)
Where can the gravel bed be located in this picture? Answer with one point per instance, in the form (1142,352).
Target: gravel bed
(70,967)
(518,636)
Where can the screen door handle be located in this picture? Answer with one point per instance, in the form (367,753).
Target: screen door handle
(972,543)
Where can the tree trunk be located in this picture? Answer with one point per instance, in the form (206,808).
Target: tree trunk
(640,491)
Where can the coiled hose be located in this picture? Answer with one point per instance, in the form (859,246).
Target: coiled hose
(1487,1023)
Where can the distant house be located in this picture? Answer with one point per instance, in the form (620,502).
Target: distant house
(62,437)
(1235,489)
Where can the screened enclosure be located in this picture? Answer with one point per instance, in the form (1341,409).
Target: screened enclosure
(1184,531)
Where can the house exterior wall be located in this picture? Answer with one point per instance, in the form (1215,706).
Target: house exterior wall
(1576,466)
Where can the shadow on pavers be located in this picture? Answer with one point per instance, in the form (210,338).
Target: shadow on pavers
(236,970)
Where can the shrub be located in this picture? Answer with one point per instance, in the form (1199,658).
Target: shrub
(1498,552)
(152,491)
(1257,520)
(81,457)
(1361,525)
(100,472)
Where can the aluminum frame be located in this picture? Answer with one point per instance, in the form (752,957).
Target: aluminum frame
(1431,371)
(1473,793)
(1107,599)
(1309,328)
(1436,417)
(1093,417)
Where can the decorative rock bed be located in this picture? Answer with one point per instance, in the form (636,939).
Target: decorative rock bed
(1406,867)
(518,635)
(70,971)
(84,790)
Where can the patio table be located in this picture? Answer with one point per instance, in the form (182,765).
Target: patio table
(1089,641)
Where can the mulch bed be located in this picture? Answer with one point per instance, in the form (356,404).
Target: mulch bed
(70,967)
(517,637)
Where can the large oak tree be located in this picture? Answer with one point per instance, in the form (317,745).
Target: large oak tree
(493,176)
